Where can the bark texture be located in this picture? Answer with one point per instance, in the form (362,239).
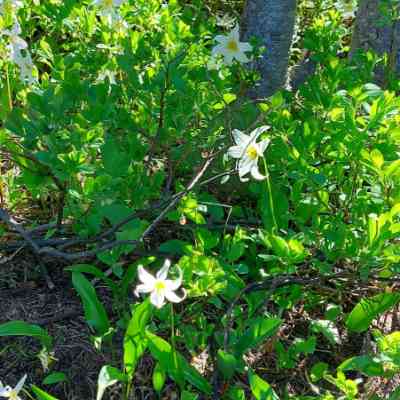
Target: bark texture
(375,30)
(272,21)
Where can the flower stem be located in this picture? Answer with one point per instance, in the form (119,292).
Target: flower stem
(269,189)
(10,103)
(174,353)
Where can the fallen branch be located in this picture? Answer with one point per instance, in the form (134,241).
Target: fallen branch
(4,216)
(49,247)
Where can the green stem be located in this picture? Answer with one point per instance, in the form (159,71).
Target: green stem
(174,353)
(271,201)
(10,103)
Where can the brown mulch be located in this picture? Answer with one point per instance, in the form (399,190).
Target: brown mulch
(25,296)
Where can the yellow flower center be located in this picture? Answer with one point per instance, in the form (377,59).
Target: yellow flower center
(13,395)
(159,286)
(232,45)
(252,152)
(108,3)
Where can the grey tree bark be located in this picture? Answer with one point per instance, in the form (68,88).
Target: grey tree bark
(375,30)
(272,21)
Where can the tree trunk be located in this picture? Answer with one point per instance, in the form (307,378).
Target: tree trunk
(272,21)
(376,30)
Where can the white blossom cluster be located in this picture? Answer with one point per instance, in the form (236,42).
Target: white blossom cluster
(18,52)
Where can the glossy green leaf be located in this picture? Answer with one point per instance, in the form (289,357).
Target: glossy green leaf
(95,313)
(21,328)
(365,364)
(163,352)
(258,330)
(159,377)
(41,394)
(261,389)
(226,364)
(54,377)
(135,340)
(367,310)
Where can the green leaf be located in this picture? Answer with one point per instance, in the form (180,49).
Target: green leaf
(236,250)
(21,328)
(95,312)
(236,393)
(365,364)
(206,238)
(188,396)
(86,268)
(367,310)
(135,341)
(261,390)
(395,395)
(41,394)
(226,364)
(174,246)
(55,377)
(159,377)
(280,247)
(258,330)
(163,352)
(116,162)
(229,97)
(332,311)
(377,158)
(318,370)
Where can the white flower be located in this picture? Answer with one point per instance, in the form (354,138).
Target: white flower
(3,389)
(107,7)
(159,286)
(118,23)
(248,151)
(12,5)
(10,393)
(111,75)
(25,65)
(16,43)
(347,8)
(231,48)
(19,54)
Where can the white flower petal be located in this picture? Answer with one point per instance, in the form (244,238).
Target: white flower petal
(257,132)
(143,288)
(244,46)
(235,151)
(144,276)
(217,50)
(228,58)
(241,57)
(163,272)
(157,298)
(241,139)
(255,173)
(234,33)
(4,390)
(174,284)
(20,384)
(173,298)
(245,166)
(222,39)
(263,145)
